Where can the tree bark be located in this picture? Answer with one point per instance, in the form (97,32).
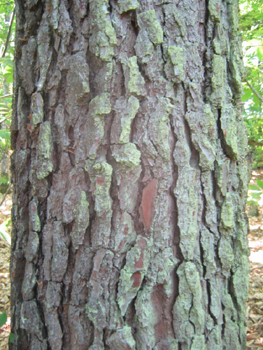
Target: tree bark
(130,175)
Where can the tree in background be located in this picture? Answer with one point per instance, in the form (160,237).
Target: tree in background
(251,27)
(6,87)
(130,176)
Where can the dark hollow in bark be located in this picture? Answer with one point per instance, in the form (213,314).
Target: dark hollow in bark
(130,174)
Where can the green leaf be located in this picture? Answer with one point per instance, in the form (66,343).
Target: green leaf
(5,236)
(254,188)
(3,318)
(260,53)
(247,94)
(256,195)
(260,184)
(11,337)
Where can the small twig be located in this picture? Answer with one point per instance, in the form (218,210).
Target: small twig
(257,267)
(3,120)
(9,33)
(10,185)
(254,90)
(7,95)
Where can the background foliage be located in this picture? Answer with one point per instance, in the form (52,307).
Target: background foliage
(7,30)
(251,27)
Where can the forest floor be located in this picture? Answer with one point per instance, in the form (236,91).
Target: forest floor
(254,304)
(255,301)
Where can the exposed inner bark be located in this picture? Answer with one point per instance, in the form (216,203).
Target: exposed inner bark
(130,175)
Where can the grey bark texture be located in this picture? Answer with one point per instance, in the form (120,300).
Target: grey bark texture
(130,174)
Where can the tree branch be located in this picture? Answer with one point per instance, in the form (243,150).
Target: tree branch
(9,33)
(254,90)
(7,95)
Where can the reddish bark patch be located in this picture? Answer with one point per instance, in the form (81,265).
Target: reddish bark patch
(161,303)
(136,279)
(139,263)
(141,244)
(100,180)
(147,205)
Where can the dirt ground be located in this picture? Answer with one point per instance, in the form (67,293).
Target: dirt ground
(254,304)
(5,211)
(255,301)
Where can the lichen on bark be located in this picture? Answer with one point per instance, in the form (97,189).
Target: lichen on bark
(130,174)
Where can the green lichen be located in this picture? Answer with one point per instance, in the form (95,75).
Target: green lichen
(32,246)
(218,80)
(122,339)
(144,48)
(127,5)
(160,129)
(173,344)
(231,338)
(214,7)
(204,134)
(187,202)
(132,109)
(197,314)
(208,123)
(29,281)
(174,15)
(127,288)
(188,324)
(198,343)
(81,214)
(226,254)
(44,151)
(136,81)
(215,296)
(177,57)
(207,154)
(229,129)
(124,235)
(161,269)
(148,21)
(95,309)
(37,110)
(236,74)
(100,105)
(164,129)
(233,16)
(220,42)
(227,213)
(146,319)
(240,283)
(78,80)
(102,180)
(100,176)
(98,304)
(44,51)
(127,155)
(215,339)
(60,253)
(218,66)
(35,224)
(103,37)
(54,13)
(207,241)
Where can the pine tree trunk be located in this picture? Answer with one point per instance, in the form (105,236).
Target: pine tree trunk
(130,174)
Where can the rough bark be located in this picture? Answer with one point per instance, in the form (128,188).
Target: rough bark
(130,175)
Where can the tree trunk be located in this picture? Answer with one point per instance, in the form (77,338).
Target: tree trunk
(130,174)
